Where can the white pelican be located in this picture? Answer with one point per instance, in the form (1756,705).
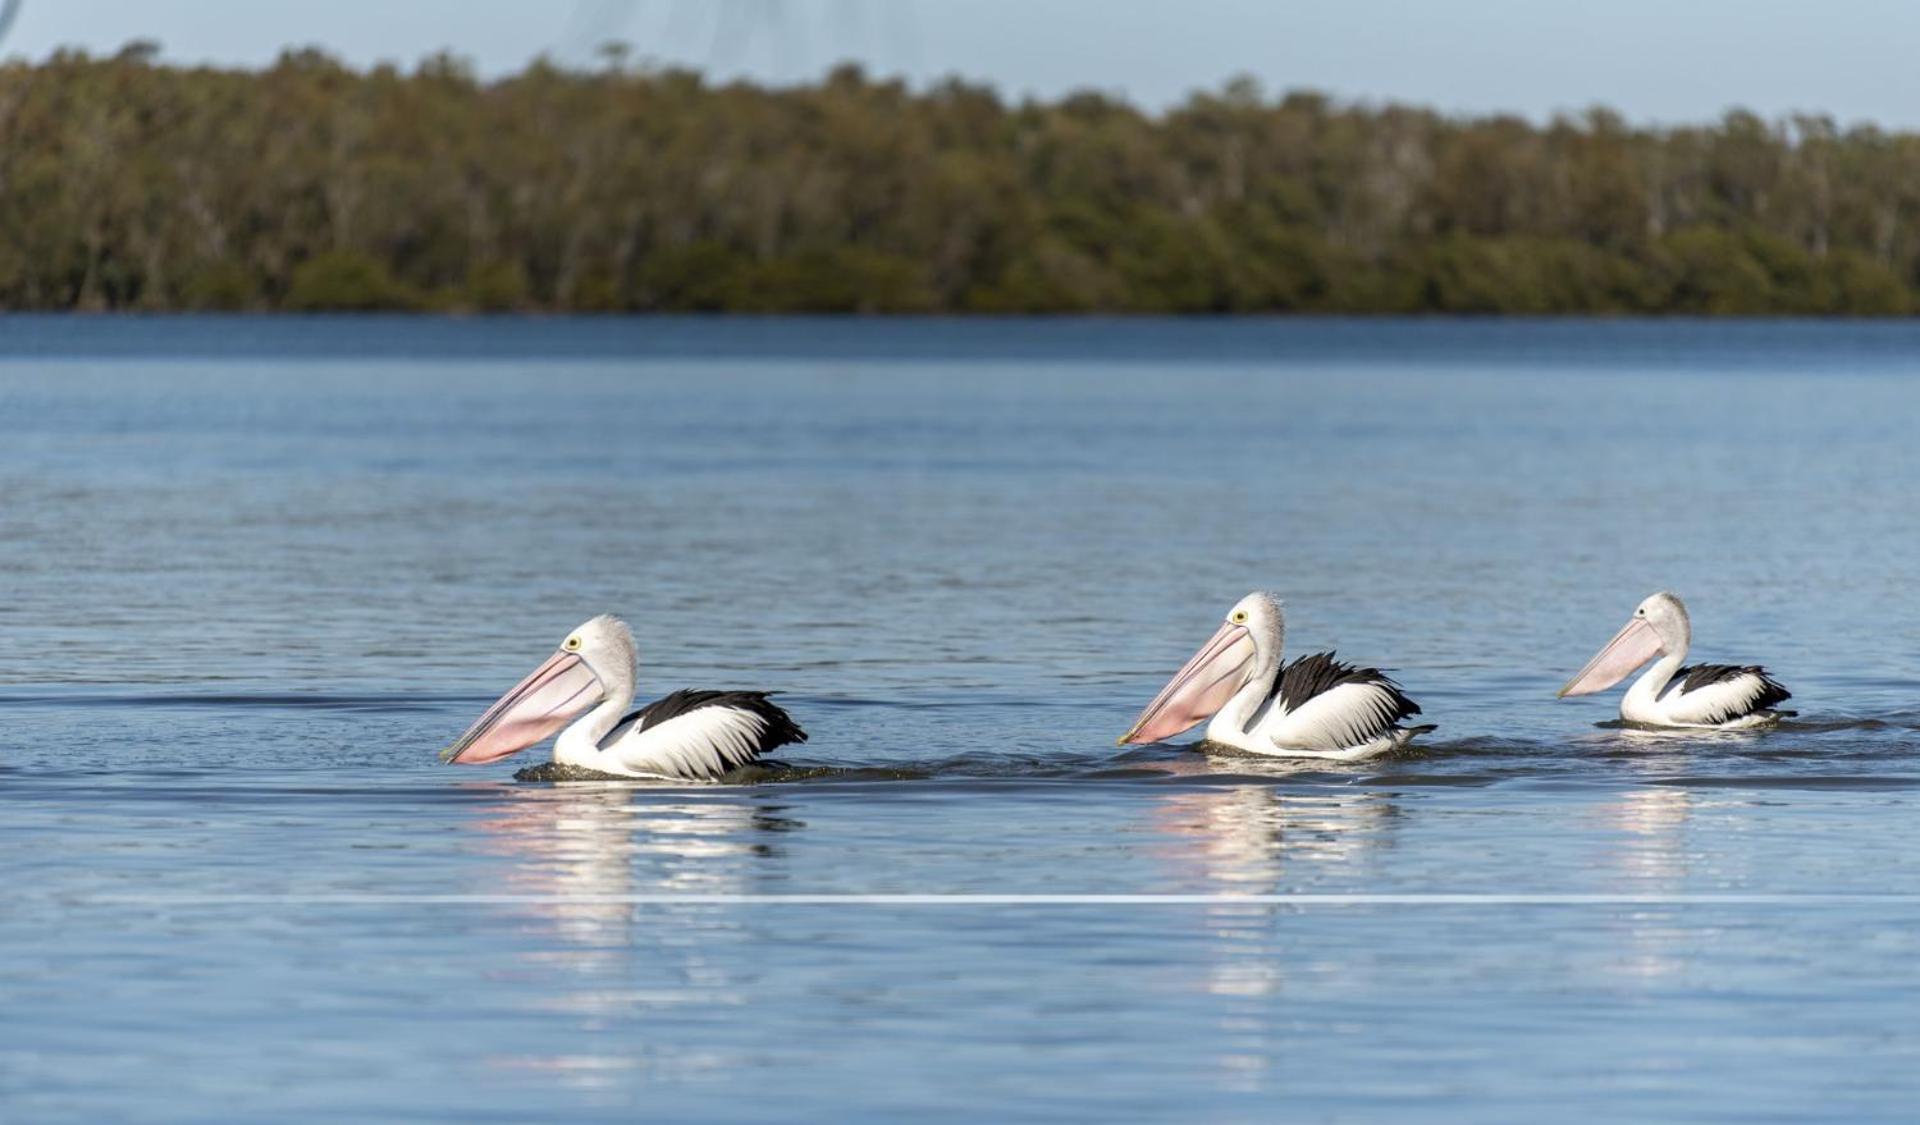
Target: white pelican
(688,736)
(1717,696)
(1316,707)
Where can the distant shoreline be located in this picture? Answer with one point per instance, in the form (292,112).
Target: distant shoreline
(310,186)
(1674,344)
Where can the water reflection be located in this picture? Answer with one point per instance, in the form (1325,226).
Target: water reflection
(579,852)
(1253,839)
(1248,838)
(1648,853)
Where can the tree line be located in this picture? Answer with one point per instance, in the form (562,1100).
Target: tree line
(310,185)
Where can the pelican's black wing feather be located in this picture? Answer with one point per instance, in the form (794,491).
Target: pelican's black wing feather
(1768,692)
(780,729)
(1320,673)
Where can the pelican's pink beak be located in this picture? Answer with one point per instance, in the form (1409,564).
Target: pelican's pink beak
(1200,689)
(536,708)
(1631,647)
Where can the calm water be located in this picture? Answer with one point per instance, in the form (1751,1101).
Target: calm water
(254,573)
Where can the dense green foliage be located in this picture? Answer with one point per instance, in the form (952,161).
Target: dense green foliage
(125,184)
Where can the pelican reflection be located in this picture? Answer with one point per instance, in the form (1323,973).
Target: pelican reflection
(1254,839)
(1648,853)
(574,856)
(1250,838)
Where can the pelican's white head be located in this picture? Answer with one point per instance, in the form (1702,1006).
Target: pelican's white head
(595,661)
(1246,645)
(1265,617)
(606,644)
(1667,614)
(1658,626)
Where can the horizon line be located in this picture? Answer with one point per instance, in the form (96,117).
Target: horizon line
(640,66)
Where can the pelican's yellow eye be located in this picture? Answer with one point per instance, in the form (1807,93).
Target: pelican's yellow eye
(573,644)
(1239,617)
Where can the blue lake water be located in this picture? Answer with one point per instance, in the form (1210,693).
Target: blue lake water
(254,573)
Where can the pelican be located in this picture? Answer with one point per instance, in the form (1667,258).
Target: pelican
(1714,696)
(1316,707)
(687,736)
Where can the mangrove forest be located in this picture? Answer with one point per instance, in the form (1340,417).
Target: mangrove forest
(128,184)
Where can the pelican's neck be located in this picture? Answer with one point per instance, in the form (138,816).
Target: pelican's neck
(1233,721)
(579,744)
(1645,692)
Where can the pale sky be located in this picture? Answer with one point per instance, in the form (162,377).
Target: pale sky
(1655,60)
